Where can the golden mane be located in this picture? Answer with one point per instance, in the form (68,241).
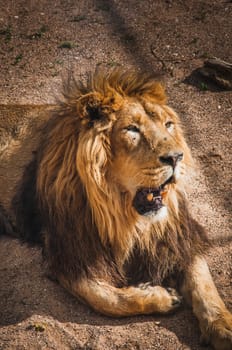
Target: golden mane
(125,83)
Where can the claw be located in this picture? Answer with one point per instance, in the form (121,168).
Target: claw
(144,286)
(176,301)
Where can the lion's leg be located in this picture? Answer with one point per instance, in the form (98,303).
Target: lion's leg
(112,301)
(215,320)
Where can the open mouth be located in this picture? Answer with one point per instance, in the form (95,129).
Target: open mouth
(149,199)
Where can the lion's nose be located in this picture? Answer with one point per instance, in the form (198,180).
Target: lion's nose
(171,158)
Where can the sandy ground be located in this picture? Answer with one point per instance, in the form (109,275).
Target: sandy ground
(39,42)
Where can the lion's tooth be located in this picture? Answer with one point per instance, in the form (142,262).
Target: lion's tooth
(150,197)
(164,193)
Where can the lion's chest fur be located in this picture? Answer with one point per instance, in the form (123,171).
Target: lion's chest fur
(156,258)
(142,268)
(154,265)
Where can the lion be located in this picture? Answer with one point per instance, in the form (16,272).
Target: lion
(105,194)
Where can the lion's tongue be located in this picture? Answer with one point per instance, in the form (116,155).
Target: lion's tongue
(147,200)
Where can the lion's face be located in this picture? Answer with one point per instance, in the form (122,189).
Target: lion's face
(149,154)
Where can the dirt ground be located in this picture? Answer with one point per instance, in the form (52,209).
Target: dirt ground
(39,42)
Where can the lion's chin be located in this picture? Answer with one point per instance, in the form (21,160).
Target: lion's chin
(157,216)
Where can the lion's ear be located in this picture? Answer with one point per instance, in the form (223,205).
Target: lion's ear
(89,106)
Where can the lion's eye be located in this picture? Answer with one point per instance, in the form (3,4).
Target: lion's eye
(133,128)
(169,124)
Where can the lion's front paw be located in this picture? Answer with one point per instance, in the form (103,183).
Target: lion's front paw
(160,299)
(219,333)
(174,298)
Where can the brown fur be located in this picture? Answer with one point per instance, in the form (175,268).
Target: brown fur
(88,168)
(6,226)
